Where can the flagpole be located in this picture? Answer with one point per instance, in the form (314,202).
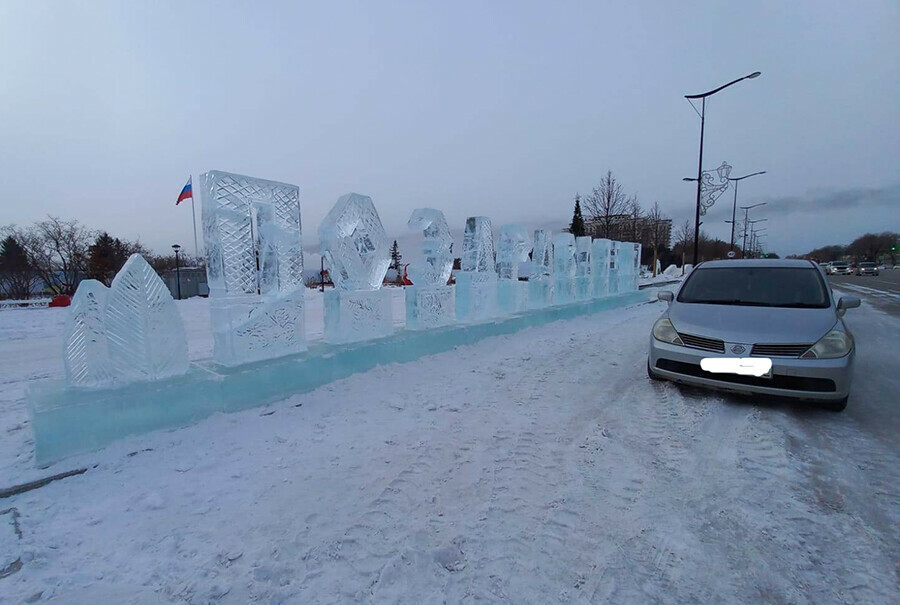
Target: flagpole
(194,217)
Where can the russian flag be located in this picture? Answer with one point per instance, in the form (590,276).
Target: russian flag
(186,193)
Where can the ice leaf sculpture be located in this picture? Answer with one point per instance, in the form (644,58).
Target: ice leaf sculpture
(354,244)
(254,253)
(513,247)
(143,327)
(436,249)
(86,355)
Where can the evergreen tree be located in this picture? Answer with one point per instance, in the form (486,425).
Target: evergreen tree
(16,273)
(576,228)
(106,256)
(395,257)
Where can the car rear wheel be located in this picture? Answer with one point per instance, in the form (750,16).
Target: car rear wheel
(835,406)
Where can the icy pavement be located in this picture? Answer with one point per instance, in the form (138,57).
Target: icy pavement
(538,467)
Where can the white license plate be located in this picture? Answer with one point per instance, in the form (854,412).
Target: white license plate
(761,367)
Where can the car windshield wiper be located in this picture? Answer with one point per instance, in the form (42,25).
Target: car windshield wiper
(735,301)
(801,305)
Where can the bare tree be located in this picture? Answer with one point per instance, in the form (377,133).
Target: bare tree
(57,251)
(605,202)
(635,214)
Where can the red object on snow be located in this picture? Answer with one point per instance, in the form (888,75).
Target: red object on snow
(60,300)
(406,281)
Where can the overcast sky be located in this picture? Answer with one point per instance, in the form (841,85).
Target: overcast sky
(504,109)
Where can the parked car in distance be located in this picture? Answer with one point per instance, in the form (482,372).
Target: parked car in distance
(840,267)
(826,267)
(757,310)
(867,269)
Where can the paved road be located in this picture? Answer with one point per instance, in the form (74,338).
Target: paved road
(881,291)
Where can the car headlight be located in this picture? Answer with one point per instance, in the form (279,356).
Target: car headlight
(831,346)
(664,331)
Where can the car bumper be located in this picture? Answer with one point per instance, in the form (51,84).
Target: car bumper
(814,379)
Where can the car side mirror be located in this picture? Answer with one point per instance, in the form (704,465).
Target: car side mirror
(668,296)
(847,302)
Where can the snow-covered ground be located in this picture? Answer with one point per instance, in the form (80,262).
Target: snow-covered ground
(537,467)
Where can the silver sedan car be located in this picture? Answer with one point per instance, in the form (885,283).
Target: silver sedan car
(750,313)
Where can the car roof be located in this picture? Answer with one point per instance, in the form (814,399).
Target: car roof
(796,263)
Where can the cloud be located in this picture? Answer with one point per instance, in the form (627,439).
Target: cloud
(846,199)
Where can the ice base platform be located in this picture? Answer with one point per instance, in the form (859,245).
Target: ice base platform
(69,420)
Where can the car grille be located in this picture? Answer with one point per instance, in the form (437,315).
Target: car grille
(765,350)
(699,342)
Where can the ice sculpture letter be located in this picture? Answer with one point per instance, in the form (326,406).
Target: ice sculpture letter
(430,301)
(601,250)
(476,282)
(583,283)
(254,265)
(130,332)
(513,247)
(564,268)
(540,283)
(355,249)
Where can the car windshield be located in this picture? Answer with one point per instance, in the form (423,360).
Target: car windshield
(866,264)
(839,264)
(756,286)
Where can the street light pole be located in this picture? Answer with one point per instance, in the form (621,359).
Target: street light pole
(747,222)
(734,205)
(177,248)
(703,96)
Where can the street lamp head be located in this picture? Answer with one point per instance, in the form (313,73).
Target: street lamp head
(689,179)
(755,74)
(176,248)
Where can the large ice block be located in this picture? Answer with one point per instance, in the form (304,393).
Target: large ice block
(353,315)
(356,252)
(254,266)
(513,246)
(430,302)
(601,257)
(563,268)
(86,354)
(540,282)
(636,271)
(476,282)
(583,282)
(615,250)
(143,328)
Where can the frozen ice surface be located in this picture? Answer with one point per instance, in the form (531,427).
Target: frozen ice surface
(540,283)
(86,355)
(143,328)
(601,250)
(564,268)
(476,283)
(254,250)
(430,306)
(436,248)
(354,244)
(513,246)
(583,283)
(354,315)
